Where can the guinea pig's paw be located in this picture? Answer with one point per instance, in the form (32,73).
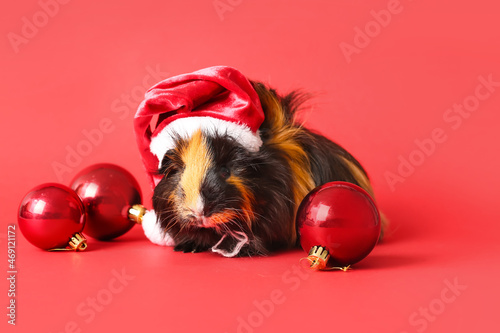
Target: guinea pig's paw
(190,246)
(154,232)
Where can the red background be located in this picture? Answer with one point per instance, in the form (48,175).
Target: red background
(76,69)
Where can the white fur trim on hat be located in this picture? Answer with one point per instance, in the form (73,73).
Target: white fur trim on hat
(153,231)
(185,127)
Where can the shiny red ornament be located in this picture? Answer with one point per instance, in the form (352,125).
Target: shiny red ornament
(51,216)
(338,223)
(108,192)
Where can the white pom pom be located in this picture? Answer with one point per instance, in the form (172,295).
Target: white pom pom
(153,231)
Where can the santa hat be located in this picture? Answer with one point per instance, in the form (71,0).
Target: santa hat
(216,100)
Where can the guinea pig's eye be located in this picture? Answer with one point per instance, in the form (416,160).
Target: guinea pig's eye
(224,172)
(170,171)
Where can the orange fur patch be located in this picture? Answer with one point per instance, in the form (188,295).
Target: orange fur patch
(284,136)
(197,158)
(223,217)
(248,199)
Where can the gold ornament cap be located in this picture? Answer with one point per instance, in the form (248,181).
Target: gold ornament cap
(78,242)
(136,213)
(318,257)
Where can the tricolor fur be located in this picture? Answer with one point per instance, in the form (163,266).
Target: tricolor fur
(216,194)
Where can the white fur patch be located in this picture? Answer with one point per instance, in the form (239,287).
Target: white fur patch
(153,231)
(200,205)
(185,127)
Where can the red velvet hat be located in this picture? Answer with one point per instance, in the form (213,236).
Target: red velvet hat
(217,99)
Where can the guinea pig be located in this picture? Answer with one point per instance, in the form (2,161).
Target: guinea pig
(216,194)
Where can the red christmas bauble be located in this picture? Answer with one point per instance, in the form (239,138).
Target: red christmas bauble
(107,191)
(52,216)
(342,218)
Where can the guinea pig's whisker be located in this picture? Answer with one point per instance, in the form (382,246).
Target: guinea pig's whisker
(225,228)
(284,196)
(170,224)
(241,212)
(161,198)
(243,215)
(166,212)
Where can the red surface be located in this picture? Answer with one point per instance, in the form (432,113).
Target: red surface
(76,81)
